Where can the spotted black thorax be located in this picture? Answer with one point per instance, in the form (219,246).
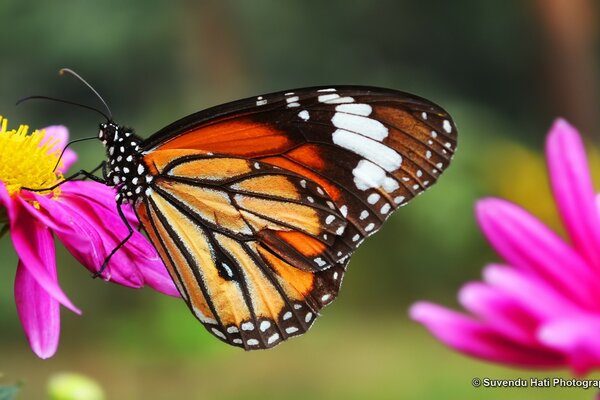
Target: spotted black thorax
(124,168)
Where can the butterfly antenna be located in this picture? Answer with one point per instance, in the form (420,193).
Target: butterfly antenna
(63,71)
(64,101)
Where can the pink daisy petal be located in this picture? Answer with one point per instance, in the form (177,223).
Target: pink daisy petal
(39,312)
(35,246)
(60,134)
(534,295)
(577,338)
(90,228)
(89,240)
(99,195)
(501,312)
(139,252)
(6,200)
(543,309)
(25,202)
(572,187)
(478,339)
(524,242)
(157,277)
(69,158)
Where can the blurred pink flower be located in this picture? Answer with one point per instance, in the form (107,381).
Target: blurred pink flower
(541,308)
(81,214)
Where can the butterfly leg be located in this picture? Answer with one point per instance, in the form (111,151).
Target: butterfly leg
(90,174)
(118,246)
(82,172)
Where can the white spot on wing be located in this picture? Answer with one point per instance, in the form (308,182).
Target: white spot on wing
(264,325)
(346,99)
(227,269)
(304,115)
(390,185)
(373,198)
(218,333)
(385,208)
(344,210)
(273,338)
(358,124)
(447,126)
(320,262)
(247,326)
(326,97)
(358,109)
(374,151)
(368,175)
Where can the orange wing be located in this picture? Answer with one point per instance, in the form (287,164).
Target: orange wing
(247,245)
(257,205)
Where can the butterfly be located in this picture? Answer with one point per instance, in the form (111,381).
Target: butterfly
(256,206)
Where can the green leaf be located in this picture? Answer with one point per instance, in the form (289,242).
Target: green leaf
(9,392)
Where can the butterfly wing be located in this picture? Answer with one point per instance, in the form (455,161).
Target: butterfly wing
(281,188)
(247,244)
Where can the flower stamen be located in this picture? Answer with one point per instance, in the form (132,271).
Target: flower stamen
(28,160)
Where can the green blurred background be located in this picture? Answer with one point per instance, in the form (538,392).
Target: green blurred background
(504,70)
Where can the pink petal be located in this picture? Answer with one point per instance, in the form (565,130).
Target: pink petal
(157,277)
(524,242)
(61,135)
(500,312)
(477,339)
(6,200)
(89,226)
(140,252)
(572,186)
(577,338)
(99,195)
(35,246)
(533,294)
(90,239)
(39,313)
(68,159)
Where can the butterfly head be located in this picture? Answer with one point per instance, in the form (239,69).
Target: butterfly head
(124,168)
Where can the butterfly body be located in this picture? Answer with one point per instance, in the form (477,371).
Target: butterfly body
(256,206)
(124,169)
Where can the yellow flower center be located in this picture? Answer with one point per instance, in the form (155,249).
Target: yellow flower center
(25,162)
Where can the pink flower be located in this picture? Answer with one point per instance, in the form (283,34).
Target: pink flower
(81,214)
(542,307)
